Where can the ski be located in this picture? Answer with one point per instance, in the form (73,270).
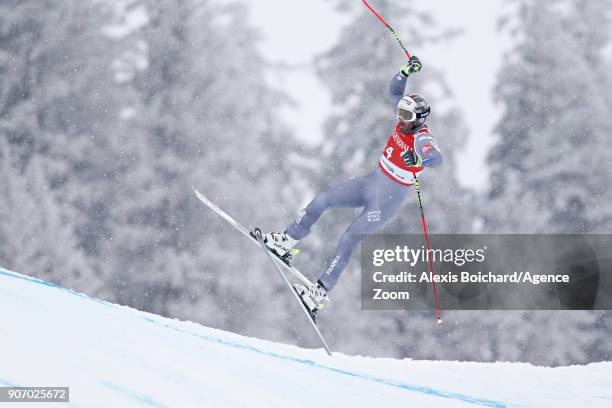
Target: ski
(248,234)
(257,238)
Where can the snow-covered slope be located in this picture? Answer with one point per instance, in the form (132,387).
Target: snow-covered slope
(115,356)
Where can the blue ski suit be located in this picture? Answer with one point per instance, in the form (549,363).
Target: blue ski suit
(380,193)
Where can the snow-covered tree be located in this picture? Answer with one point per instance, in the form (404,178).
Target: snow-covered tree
(36,232)
(57,103)
(550,171)
(205,116)
(553,88)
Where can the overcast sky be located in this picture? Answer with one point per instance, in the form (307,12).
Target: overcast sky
(293,32)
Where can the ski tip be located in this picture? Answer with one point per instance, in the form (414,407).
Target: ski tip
(195,191)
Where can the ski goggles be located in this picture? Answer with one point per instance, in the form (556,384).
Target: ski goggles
(406,115)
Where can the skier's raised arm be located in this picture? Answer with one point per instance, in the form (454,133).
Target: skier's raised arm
(398,83)
(426,152)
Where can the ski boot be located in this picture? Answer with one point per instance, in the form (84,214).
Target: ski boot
(281,245)
(312,296)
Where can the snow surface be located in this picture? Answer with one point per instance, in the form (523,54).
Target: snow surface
(111,355)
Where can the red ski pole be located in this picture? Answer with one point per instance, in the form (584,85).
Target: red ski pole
(393,33)
(431,267)
(416,180)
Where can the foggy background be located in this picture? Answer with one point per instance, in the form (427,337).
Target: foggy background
(111,110)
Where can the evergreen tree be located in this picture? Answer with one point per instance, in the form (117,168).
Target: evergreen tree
(555,120)
(553,88)
(36,234)
(57,103)
(207,117)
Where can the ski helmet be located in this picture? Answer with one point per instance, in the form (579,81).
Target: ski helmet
(413,108)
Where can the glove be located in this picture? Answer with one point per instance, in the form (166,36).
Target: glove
(411,158)
(413,66)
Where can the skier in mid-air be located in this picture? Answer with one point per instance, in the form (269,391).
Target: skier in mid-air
(409,149)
